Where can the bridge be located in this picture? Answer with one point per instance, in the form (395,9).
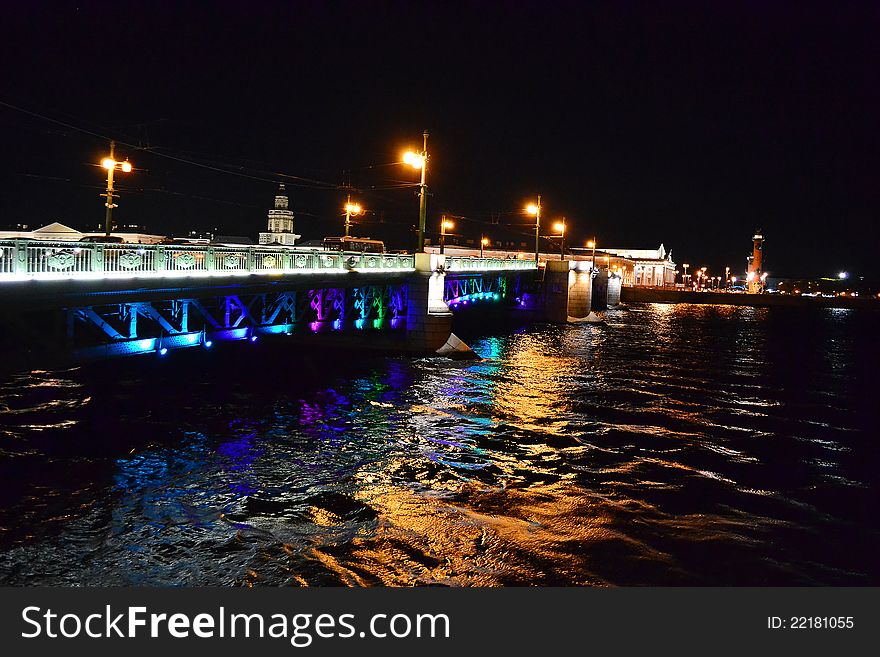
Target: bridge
(90,301)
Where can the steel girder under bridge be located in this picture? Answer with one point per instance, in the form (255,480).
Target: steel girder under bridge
(187,320)
(467,289)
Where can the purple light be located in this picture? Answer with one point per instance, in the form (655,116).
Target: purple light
(314,326)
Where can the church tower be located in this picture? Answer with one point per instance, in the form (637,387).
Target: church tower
(280,224)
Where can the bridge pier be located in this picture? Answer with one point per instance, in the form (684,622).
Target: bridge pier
(570,289)
(428,318)
(567,290)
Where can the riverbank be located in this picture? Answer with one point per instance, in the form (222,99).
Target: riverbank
(668,295)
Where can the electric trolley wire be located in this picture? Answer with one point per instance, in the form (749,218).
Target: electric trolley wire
(257,174)
(301,181)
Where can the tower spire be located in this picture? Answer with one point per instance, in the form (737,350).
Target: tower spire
(280,221)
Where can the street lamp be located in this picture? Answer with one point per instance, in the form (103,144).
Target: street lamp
(592,245)
(420,161)
(484,242)
(351,210)
(112,165)
(444,224)
(559,227)
(684,280)
(535,209)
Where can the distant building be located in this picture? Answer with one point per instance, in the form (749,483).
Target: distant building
(641,267)
(61,233)
(53,231)
(280,224)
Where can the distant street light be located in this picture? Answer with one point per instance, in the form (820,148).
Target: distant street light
(535,209)
(684,279)
(112,165)
(420,161)
(559,227)
(351,210)
(592,245)
(484,242)
(444,225)
(843,275)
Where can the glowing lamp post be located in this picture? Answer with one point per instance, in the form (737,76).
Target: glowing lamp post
(420,161)
(351,210)
(444,226)
(484,242)
(112,165)
(559,227)
(684,278)
(592,245)
(535,209)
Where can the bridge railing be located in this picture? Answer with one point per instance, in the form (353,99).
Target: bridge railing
(488,264)
(60,259)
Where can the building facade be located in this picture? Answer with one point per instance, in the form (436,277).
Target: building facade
(649,267)
(280,222)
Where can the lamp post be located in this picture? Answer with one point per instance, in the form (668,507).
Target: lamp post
(592,245)
(726,277)
(484,242)
(684,280)
(559,227)
(444,224)
(351,210)
(112,165)
(535,209)
(420,161)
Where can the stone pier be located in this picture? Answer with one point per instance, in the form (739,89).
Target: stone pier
(567,290)
(428,318)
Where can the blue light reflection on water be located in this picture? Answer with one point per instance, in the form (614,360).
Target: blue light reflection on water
(677,445)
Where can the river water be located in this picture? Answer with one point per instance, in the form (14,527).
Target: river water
(678,445)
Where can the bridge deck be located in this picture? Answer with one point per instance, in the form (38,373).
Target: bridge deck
(59,260)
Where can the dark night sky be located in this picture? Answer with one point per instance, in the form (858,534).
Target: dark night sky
(687,124)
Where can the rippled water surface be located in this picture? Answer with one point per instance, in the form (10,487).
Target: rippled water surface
(679,445)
